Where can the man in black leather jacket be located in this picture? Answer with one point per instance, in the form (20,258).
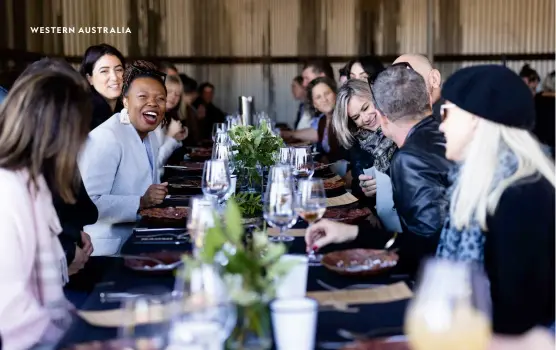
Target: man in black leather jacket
(419,168)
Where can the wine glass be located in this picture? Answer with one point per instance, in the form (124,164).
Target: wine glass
(310,206)
(218,127)
(232,121)
(302,162)
(285,156)
(200,219)
(152,313)
(451,309)
(278,204)
(206,316)
(216,178)
(223,151)
(222,137)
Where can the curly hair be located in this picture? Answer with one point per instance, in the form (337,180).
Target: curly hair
(142,69)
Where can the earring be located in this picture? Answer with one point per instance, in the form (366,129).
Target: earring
(124,116)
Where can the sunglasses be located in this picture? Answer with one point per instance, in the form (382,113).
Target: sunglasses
(150,72)
(444,110)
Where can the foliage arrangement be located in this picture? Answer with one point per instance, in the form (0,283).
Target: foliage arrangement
(250,267)
(255,145)
(250,204)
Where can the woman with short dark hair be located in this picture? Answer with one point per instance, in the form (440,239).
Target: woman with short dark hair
(118,162)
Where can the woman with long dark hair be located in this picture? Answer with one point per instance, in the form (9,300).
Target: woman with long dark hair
(103,67)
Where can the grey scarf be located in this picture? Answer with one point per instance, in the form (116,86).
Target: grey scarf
(381,147)
(467,245)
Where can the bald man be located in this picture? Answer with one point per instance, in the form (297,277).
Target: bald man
(432,77)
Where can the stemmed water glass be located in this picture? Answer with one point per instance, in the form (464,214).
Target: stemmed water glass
(311,205)
(150,312)
(200,219)
(302,162)
(284,156)
(205,315)
(216,178)
(451,308)
(224,152)
(278,204)
(218,127)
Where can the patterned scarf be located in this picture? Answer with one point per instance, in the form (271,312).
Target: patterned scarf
(50,263)
(467,245)
(375,143)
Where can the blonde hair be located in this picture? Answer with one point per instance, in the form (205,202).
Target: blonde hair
(474,195)
(341,123)
(182,106)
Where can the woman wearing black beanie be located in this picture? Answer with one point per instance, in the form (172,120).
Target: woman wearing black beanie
(502,210)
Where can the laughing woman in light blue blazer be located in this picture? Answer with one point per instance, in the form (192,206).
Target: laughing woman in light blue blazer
(118,162)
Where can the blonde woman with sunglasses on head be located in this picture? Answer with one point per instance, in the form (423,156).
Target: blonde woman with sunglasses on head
(502,207)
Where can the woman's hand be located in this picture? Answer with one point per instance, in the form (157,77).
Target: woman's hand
(326,232)
(368,185)
(177,130)
(537,338)
(87,244)
(78,262)
(155,195)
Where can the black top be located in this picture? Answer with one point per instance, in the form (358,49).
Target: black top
(519,257)
(72,218)
(419,173)
(546,117)
(101,109)
(213,115)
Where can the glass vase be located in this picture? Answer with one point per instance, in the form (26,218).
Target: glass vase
(253,329)
(250,179)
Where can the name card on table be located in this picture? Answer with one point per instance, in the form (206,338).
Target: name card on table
(386,294)
(346,198)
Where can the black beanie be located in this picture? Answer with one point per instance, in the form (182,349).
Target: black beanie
(494,93)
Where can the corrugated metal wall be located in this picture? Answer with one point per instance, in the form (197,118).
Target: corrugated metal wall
(283,28)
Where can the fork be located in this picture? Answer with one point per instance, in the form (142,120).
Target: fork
(385,331)
(391,241)
(177,236)
(353,286)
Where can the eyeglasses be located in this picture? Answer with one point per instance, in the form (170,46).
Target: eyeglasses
(150,72)
(402,64)
(443,108)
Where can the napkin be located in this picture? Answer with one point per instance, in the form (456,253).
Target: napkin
(296,232)
(386,294)
(385,207)
(346,198)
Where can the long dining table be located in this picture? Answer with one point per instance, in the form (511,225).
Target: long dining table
(119,278)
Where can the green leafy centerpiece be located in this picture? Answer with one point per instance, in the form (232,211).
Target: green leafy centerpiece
(256,149)
(250,267)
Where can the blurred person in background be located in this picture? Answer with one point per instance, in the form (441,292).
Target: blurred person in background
(103,66)
(314,69)
(546,114)
(168,68)
(303,117)
(364,68)
(207,112)
(530,77)
(344,75)
(172,130)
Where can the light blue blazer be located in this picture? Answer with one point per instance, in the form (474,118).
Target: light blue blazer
(116,172)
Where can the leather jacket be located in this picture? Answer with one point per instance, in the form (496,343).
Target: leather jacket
(419,173)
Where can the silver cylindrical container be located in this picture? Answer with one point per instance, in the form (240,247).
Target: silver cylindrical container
(246,109)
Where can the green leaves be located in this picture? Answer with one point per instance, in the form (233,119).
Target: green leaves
(251,269)
(249,203)
(255,145)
